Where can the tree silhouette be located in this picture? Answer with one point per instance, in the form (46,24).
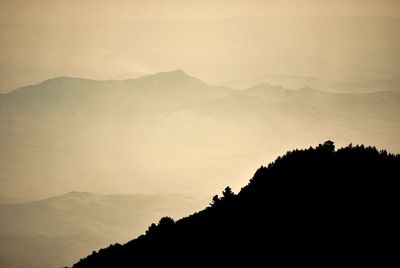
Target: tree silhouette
(215,200)
(166,221)
(328,146)
(227,193)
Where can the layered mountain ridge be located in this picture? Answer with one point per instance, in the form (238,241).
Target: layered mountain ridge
(92,130)
(55,231)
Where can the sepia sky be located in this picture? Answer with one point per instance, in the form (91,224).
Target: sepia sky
(48,11)
(216,41)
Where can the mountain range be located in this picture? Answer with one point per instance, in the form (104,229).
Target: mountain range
(56,231)
(75,134)
(144,139)
(331,53)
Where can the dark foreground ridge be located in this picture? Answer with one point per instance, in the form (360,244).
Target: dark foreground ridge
(315,206)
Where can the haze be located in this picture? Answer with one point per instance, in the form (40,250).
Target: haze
(116,113)
(123,39)
(48,11)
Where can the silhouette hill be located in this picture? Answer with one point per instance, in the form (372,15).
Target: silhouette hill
(313,206)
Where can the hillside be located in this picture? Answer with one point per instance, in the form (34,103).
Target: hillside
(69,133)
(309,206)
(56,231)
(73,134)
(61,100)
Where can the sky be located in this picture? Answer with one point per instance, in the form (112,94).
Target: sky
(122,39)
(62,11)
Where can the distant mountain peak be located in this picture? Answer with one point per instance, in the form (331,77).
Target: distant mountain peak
(178,73)
(171,78)
(63,78)
(77,193)
(175,72)
(67,196)
(266,89)
(267,86)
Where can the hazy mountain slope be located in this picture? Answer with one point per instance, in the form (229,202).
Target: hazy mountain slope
(306,207)
(65,122)
(56,231)
(374,105)
(301,115)
(358,111)
(63,99)
(169,131)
